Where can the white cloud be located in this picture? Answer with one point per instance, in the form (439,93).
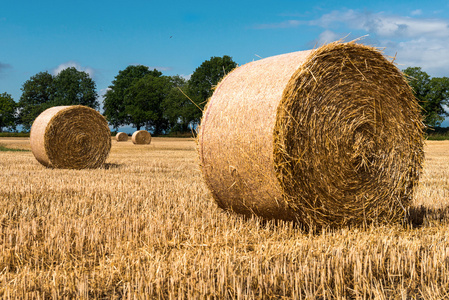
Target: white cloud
(416,41)
(76,65)
(3,67)
(328,36)
(186,77)
(431,54)
(160,68)
(385,25)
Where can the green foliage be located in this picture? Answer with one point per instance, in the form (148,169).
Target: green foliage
(114,99)
(143,102)
(14,134)
(204,80)
(75,87)
(43,90)
(37,93)
(4,149)
(8,109)
(432,94)
(177,107)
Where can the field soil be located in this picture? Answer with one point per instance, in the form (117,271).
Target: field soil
(145,226)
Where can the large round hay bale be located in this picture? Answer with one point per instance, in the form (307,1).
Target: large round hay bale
(141,137)
(326,137)
(121,137)
(70,137)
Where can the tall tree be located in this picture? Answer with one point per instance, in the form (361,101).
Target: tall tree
(204,79)
(143,102)
(7,112)
(114,99)
(75,87)
(177,107)
(43,90)
(432,94)
(37,94)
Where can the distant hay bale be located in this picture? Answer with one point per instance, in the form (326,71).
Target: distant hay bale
(141,137)
(70,137)
(121,137)
(326,137)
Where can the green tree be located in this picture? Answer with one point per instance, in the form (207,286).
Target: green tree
(72,87)
(43,90)
(7,112)
(37,94)
(143,101)
(204,79)
(114,99)
(177,107)
(432,94)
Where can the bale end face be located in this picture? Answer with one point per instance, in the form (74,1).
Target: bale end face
(328,137)
(121,137)
(141,137)
(70,137)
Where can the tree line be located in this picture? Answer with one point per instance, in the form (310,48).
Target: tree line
(138,97)
(144,98)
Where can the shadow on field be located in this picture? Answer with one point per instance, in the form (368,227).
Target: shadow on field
(417,216)
(108,166)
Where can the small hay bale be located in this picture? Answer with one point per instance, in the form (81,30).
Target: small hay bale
(141,137)
(121,137)
(325,137)
(70,137)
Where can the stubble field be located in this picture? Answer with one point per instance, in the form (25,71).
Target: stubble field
(145,226)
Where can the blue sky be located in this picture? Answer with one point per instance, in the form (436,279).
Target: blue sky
(104,37)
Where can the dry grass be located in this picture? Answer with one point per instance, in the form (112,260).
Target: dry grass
(144,226)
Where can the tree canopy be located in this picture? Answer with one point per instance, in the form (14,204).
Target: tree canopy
(73,87)
(114,99)
(43,90)
(37,94)
(7,112)
(432,94)
(143,102)
(204,79)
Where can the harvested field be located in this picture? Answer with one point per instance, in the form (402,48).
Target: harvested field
(145,225)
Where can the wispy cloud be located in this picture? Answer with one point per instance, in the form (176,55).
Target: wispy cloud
(422,42)
(328,36)
(160,68)
(385,25)
(416,12)
(3,67)
(417,41)
(75,65)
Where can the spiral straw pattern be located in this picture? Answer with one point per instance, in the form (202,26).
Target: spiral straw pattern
(325,137)
(141,137)
(121,137)
(70,137)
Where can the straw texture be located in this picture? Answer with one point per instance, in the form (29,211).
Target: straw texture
(141,137)
(326,137)
(121,137)
(70,137)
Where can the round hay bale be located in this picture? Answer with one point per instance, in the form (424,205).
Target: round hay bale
(70,137)
(121,137)
(325,137)
(141,137)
